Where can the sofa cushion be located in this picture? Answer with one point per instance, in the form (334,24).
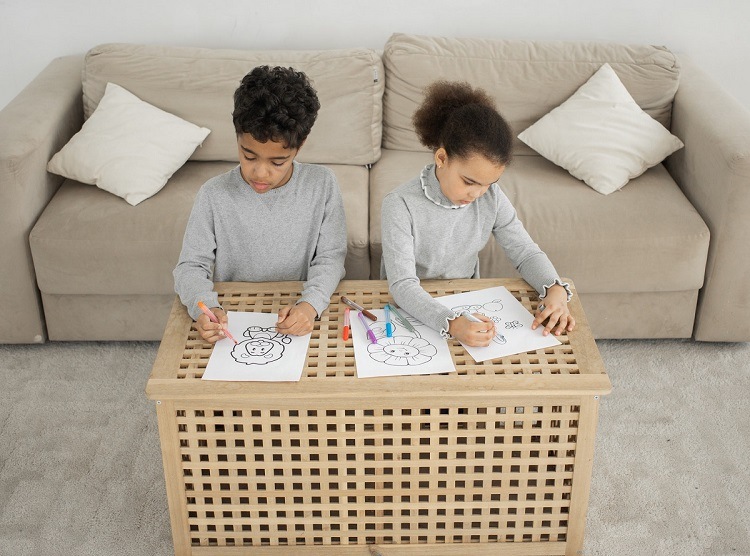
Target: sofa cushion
(127,147)
(527,79)
(198,84)
(600,135)
(89,242)
(646,238)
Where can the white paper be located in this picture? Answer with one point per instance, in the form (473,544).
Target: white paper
(512,322)
(421,352)
(262,354)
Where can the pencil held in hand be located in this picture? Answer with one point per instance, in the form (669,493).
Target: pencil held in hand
(210,314)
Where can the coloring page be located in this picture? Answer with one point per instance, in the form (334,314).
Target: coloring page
(413,348)
(512,322)
(262,354)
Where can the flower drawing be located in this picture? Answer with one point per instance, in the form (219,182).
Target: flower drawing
(402,351)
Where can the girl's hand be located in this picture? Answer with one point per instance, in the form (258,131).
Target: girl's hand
(210,331)
(555,312)
(296,320)
(474,334)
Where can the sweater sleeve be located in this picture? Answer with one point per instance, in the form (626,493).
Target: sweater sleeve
(530,261)
(327,265)
(400,267)
(194,271)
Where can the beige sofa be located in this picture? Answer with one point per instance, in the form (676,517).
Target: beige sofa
(663,257)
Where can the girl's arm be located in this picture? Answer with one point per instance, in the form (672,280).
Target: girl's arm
(399,263)
(525,255)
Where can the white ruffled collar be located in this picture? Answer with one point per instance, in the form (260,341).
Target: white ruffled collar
(431,188)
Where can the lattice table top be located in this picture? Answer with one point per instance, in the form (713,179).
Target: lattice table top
(329,371)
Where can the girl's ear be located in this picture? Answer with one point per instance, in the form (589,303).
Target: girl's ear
(441,156)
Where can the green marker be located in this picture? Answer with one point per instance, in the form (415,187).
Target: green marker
(402,320)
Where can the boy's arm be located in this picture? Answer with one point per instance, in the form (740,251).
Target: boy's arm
(327,265)
(194,270)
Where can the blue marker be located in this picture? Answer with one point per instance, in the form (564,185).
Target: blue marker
(388,325)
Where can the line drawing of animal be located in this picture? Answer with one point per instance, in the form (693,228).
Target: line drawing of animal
(263,346)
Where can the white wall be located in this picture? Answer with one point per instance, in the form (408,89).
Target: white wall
(33,32)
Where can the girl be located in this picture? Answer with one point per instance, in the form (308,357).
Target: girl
(435,225)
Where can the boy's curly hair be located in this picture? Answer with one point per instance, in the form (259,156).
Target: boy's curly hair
(463,121)
(277,104)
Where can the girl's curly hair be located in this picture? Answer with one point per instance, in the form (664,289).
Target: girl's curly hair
(463,121)
(277,104)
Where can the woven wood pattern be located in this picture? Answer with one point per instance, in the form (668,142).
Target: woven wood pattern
(496,453)
(458,474)
(331,357)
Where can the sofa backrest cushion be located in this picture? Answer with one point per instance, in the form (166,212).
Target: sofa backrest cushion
(527,79)
(198,84)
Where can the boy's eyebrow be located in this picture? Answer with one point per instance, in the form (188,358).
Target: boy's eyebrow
(250,151)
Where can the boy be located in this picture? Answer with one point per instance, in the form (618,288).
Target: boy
(271,218)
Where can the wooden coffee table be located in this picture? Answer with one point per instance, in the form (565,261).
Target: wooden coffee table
(497,455)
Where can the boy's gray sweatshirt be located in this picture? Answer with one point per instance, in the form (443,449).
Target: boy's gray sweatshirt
(294,232)
(425,236)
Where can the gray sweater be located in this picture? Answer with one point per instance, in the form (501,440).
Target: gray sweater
(294,232)
(425,236)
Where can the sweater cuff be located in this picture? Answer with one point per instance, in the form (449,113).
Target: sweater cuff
(451,315)
(211,300)
(557,282)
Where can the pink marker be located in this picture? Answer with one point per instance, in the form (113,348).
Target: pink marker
(210,314)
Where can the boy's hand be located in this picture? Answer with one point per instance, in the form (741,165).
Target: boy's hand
(474,334)
(296,320)
(212,332)
(555,312)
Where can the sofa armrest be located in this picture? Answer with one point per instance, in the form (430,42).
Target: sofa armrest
(713,171)
(34,126)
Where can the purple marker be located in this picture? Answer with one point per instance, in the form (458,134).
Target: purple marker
(370,333)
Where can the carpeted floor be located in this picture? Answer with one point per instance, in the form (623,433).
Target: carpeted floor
(80,465)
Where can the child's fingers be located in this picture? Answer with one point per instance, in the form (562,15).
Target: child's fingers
(561,326)
(287,321)
(284,313)
(481,334)
(540,317)
(222,316)
(211,332)
(553,319)
(296,324)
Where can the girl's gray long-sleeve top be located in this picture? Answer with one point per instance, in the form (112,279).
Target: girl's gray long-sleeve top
(425,236)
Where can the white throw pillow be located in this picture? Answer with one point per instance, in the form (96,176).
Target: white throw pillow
(600,135)
(127,147)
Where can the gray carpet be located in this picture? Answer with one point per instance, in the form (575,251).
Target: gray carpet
(80,465)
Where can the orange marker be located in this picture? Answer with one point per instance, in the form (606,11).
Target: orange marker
(210,314)
(345,334)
